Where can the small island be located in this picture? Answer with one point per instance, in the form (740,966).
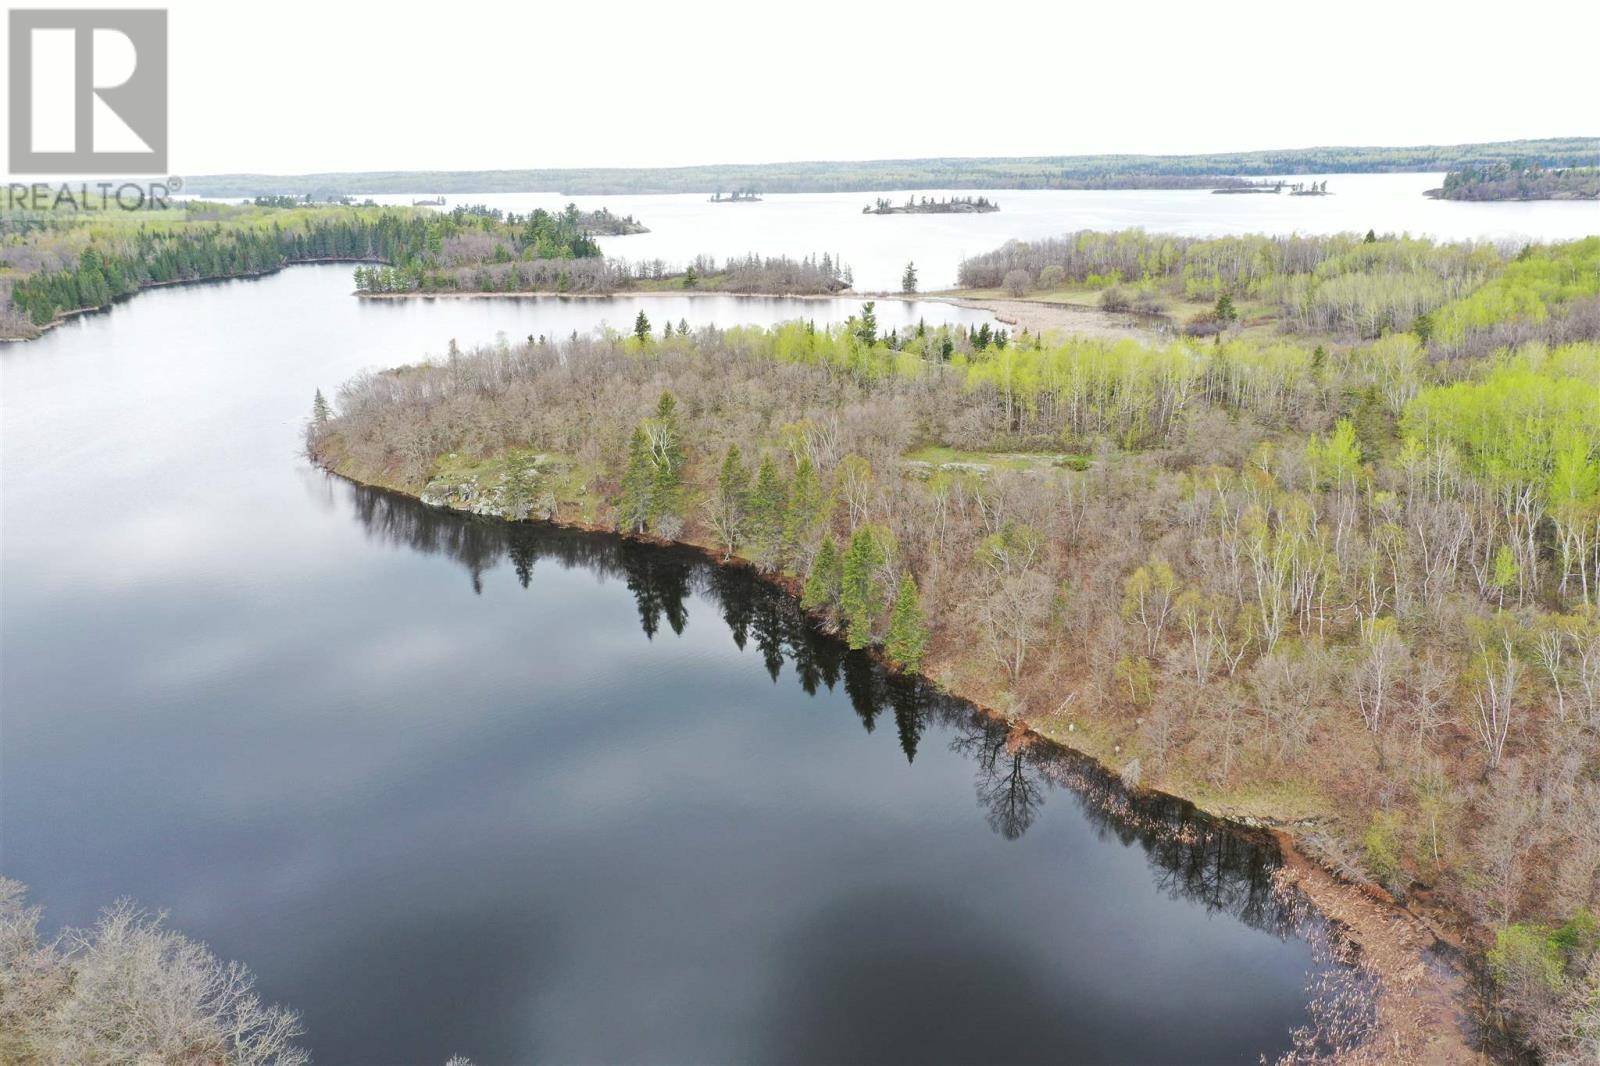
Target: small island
(603,223)
(955,205)
(1246,188)
(1510,182)
(737,196)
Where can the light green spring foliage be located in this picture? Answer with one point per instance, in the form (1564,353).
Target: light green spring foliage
(1336,458)
(1523,423)
(1542,953)
(1525,289)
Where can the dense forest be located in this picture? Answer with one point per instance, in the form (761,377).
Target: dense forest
(53,265)
(1507,181)
(1333,572)
(1037,172)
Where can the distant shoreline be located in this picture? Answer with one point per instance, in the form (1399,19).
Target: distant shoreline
(903,175)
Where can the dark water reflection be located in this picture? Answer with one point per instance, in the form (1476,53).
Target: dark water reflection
(887,952)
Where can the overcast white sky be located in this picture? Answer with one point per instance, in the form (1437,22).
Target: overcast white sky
(298,86)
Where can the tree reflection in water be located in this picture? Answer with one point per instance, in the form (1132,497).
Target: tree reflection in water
(1192,855)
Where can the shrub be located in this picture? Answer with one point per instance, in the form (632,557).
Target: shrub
(1115,299)
(1018,282)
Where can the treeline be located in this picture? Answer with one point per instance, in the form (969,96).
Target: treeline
(76,264)
(54,265)
(953,205)
(1507,181)
(1352,579)
(769,275)
(1034,172)
(1453,295)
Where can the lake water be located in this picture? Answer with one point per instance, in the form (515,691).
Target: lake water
(448,785)
(878,246)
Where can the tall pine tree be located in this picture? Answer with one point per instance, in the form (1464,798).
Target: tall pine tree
(822,585)
(638,481)
(728,510)
(860,598)
(804,512)
(908,630)
(768,502)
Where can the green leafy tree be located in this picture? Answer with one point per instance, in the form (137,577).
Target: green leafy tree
(908,630)
(641,327)
(908,280)
(822,584)
(1505,571)
(690,278)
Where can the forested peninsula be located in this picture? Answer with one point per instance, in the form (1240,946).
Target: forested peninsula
(1510,182)
(55,265)
(1334,564)
(1032,172)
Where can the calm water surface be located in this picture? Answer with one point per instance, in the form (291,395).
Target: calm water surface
(877,246)
(454,786)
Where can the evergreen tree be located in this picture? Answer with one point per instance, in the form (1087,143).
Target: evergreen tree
(867,325)
(768,504)
(822,584)
(665,452)
(908,280)
(641,327)
(860,598)
(1226,312)
(805,509)
(666,330)
(635,506)
(1422,327)
(1371,238)
(320,411)
(690,278)
(908,630)
(683,327)
(728,513)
